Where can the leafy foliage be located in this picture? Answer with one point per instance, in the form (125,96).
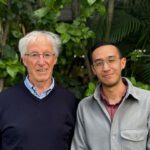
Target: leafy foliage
(139,84)
(90,89)
(87,24)
(123,27)
(11,71)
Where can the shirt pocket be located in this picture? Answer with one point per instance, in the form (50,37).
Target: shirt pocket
(134,139)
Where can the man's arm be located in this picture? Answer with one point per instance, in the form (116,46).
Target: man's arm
(79,141)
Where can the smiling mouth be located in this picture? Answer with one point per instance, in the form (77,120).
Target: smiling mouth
(107,76)
(42,70)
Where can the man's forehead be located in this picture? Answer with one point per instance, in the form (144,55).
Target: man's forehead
(107,50)
(106,47)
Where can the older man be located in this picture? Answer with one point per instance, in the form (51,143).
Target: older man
(37,114)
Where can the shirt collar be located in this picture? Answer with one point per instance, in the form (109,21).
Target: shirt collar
(104,98)
(33,89)
(130,91)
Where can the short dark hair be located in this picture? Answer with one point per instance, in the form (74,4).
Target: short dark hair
(99,44)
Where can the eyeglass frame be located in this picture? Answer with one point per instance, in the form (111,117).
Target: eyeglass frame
(36,56)
(99,63)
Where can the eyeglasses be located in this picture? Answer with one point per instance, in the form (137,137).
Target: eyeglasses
(110,61)
(36,56)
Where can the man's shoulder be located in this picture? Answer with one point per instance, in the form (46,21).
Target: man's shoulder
(136,91)
(65,94)
(142,92)
(11,93)
(63,90)
(86,101)
(11,90)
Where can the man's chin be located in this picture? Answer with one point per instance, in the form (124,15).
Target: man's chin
(42,80)
(109,84)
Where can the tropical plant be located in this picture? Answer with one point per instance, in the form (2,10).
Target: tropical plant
(11,70)
(74,68)
(79,24)
(47,15)
(129,28)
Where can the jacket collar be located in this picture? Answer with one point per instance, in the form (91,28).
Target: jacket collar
(131,91)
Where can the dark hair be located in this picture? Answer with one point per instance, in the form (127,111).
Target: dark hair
(99,44)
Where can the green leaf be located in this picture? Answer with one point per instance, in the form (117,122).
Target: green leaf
(12,71)
(2,64)
(75,32)
(16,34)
(21,69)
(88,11)
(3,1)
(41,12)
(91,88)
(101,9)
(65,37)
(76,39)
(49,3)
(62,61)
(8,52)
(62,28)
(91,2)
(133,80)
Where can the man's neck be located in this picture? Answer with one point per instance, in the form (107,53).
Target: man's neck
(41,86)
(115,93)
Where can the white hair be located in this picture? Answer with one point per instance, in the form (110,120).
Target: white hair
(32,36)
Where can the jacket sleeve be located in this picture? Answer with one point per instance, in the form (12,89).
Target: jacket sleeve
(79,141)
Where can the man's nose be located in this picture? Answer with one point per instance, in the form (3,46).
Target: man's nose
(106,65)
(41,59)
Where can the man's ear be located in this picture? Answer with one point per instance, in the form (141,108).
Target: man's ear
(123,62)
(23,60)
(55,61)
(93,69)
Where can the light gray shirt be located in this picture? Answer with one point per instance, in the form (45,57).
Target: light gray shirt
(129,130)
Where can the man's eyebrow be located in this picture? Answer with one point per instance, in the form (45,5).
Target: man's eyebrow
(100,59)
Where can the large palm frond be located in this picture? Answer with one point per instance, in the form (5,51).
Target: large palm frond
(123,25)
(143,69)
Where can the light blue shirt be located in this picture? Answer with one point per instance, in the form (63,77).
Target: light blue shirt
(33,89)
